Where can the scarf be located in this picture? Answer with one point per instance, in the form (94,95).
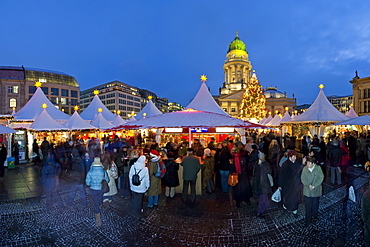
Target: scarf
(237,162)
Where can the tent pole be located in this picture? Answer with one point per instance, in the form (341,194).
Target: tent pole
(189,137)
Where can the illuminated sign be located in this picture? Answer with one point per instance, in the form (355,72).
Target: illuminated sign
(173,130)
(199,130)
(224,130)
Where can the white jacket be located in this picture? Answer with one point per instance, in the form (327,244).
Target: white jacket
(139,165)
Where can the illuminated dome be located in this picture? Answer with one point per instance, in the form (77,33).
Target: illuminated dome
(272,92)
(237,44)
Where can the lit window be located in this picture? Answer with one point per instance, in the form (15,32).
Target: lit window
(12,103)
(233,110)
(64,101)
(42,80)
(15,89)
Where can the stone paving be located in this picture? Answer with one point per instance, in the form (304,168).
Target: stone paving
(212,221)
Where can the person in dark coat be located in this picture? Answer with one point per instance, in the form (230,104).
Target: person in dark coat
(242,190)
(15,152)
(76,176)
(224,158)
(334,156)
(171,177)
(36,150)
(261,183)
(50,181)
(3,154)
(45,149)
(290,182)
(191,168)
(122,162)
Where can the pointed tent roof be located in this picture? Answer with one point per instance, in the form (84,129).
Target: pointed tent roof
(262,120)
(32,109)
(101,123)
(275,121)
(91,111)
(45,122)
(149,110)
(351,113)
(75,122)
(204,101)
(118,121)
(286,117)
(268,119)
(131,119)
(320,111)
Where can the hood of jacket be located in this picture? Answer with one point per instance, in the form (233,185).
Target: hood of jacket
(140,163)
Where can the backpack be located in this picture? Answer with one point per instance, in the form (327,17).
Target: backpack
(161,170)
(136,178)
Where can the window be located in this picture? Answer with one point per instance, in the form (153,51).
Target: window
(32,89)
(54,91)
(13,103)
(137,104)
(64,101)
(74,94)
(74,102)
(233,110)
(122,108)
(122,95)
(130,103)
(130,97)
(122,101)
(111,95)
(54,100)
(13,89)
(65,93)
(224,109)
(110,101)
(137,99)
(45,90)
(111,107)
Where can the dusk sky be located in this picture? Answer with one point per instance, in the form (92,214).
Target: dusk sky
(164,46)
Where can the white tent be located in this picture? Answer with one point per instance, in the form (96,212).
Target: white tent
(320,111)
(44,122)
(204,101)
(268,119)
(101,123)
(149,110)
(32,109)
(189,119)
(75,122)
(6,130)
(363,120)
(91,111)
(118,121)
(275,121)
(262,120)
(286,117)
(351,113)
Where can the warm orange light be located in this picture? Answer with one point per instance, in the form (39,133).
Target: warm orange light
(118,112)
(44,105)
(203,78)
(100,110)
(75,108)
(96,92)
(321,86)
(286,108)
(150,97)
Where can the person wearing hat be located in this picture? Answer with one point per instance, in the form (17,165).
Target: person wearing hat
(290,182)
(155,187)
(94,179)
(138,191)
(191,168)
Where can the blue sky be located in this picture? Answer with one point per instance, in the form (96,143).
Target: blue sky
(164,46)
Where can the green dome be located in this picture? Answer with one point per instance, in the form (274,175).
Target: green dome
(237,44)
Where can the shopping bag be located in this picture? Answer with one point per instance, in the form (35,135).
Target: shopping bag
(233,179)
(351,194)
(271,180)
(276,197)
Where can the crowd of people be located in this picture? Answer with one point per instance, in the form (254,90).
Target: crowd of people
(264,164)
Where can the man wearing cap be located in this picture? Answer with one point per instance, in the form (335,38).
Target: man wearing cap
(191,168)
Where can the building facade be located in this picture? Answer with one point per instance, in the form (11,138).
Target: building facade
(342,103)
(17,85)
(116,96)
(237,74)
(361,94)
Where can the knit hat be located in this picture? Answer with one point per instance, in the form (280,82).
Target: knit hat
(155,152)
(97,161)
(207,151)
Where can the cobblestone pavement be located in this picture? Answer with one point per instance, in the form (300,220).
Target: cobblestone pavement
(212,221)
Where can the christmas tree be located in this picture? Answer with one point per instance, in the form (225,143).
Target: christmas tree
(253,101)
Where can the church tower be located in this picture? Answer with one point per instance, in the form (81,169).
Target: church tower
(237,67)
